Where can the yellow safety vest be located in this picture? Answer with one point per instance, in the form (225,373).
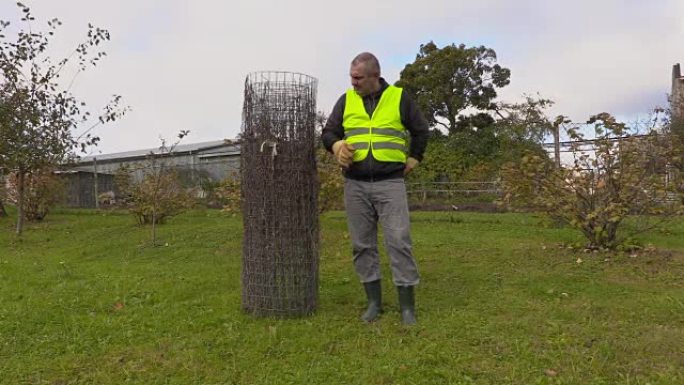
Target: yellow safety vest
(383,132)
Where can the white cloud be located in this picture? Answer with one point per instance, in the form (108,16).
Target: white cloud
(181,64)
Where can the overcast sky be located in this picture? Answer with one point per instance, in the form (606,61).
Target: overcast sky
(181,64)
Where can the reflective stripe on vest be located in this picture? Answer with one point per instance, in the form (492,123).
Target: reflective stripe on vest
(383,133)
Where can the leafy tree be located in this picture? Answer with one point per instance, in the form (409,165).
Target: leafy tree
(37,113)
(448,158)
(525,121)
(450,80)
(456,88)
(597,193)
(522,128)
(152,189)
(440,161)
(478,154)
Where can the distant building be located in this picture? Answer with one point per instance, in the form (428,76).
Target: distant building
(197,164)
(677,95)
(80,187)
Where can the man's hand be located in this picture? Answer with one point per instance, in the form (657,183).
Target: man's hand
(344,153)
(411,163)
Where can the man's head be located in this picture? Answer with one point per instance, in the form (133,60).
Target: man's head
(365,73)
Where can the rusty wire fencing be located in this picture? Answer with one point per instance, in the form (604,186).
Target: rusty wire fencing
(279,195)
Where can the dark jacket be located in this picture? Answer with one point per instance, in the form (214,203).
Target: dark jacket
(370,168)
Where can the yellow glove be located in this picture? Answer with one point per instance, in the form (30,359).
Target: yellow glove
(344,153)
(411,163)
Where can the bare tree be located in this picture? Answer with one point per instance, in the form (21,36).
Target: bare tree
(157,193)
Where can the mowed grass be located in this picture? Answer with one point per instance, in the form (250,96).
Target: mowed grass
(84,299)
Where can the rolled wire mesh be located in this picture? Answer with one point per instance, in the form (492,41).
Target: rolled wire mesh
(279,195)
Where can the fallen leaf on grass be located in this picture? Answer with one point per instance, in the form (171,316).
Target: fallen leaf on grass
(551,372)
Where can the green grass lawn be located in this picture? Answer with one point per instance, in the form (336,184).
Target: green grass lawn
(84,299)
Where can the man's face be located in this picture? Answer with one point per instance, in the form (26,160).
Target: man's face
(363,81)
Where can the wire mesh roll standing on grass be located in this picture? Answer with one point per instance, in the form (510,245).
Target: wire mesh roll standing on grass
(279,192)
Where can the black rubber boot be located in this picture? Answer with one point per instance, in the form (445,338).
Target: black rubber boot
(374,295)
(407,305)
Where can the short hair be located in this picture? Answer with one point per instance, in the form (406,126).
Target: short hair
(369,60)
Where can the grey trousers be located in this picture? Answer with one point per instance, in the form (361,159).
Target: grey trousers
(385,201)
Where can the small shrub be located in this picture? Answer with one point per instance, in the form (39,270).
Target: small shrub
(157,197)
(43,190)
(629,176)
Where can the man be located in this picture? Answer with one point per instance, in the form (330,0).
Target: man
(368,132)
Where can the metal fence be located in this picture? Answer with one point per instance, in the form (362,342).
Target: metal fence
(453,191)
(279,195)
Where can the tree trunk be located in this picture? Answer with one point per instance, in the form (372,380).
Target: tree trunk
(556,146)
(21,178)
(97,200)
(3,212)
(154,224)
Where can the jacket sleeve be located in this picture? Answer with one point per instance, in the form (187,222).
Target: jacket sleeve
(415,123)
(333,130)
